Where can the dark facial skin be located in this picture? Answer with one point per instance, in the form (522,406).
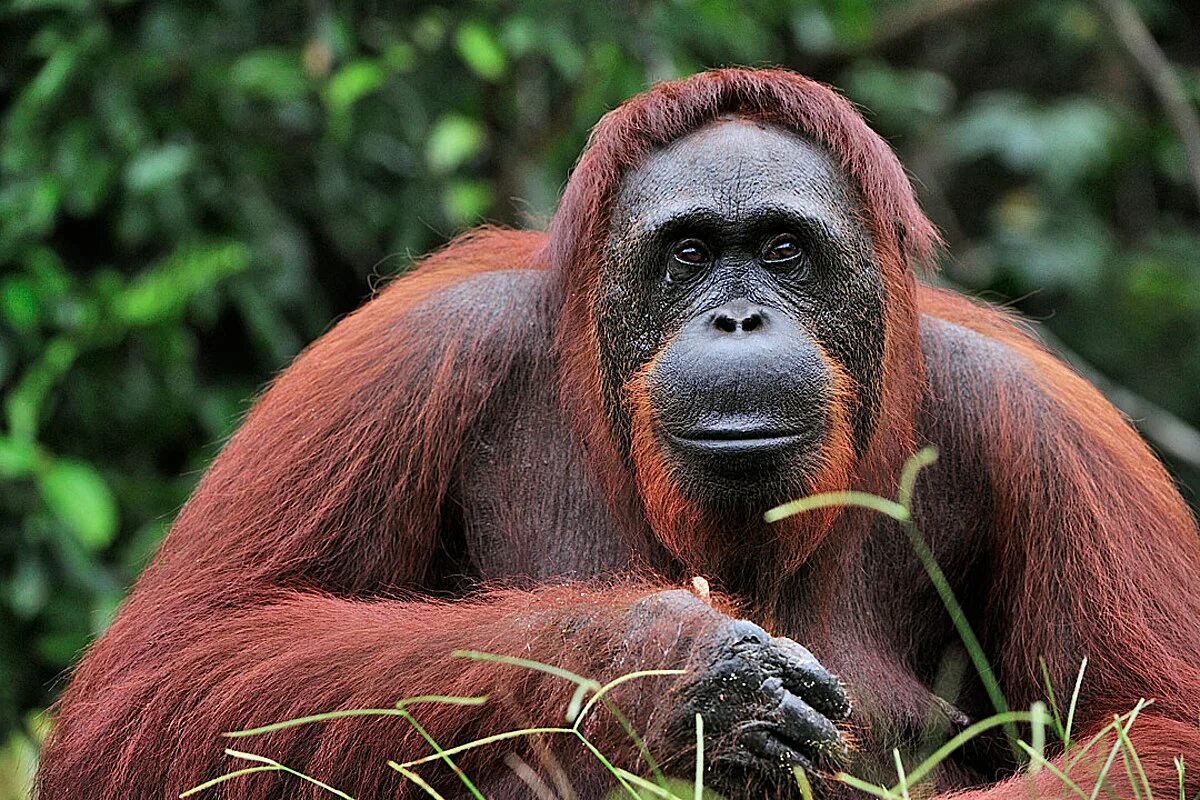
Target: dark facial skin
(738,269)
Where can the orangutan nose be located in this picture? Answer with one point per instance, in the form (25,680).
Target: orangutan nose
(739,317)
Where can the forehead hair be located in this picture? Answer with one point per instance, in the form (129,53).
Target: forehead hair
(626,136)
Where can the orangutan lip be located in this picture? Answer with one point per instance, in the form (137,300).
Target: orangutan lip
(736,439)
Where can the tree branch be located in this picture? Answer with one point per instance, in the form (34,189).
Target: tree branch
(908,19)
(1157,71)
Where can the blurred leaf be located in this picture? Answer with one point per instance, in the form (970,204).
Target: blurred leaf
(429,31)
(453,140)
(1161,276)
(568,55)
(519,34)
(481,50)
(77,494)
(50,81)
(271,74)
(49,274)
(159,167)
(1048,249)
(813,30)
(899,99)
(1079,24)
(61,647)
(28,209)
(28,587)
(351,83)
(166,290)
(18,303)
(400,56)
(466,201)
(23,404)
(853,20)
(17,457)
(18,762)
(1061,141)
(87,171)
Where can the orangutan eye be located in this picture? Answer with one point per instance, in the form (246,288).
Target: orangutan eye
(688,257)
(781,248)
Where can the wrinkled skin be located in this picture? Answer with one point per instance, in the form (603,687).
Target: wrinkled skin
(768,704)
(736,340)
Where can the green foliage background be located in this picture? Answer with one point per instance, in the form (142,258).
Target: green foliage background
(191,192)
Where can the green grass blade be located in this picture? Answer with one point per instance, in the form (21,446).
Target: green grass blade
(1071,708)
(442,699)
(959,617)
(289,771)
(616,773)
(606,688)
(901,512)
(537,666)
(437,748)
(1100,734)
(828,499)
(806,790)
(357,712)
(228,776)
(698,785)
(498,737)
(1137,792)
(1055,771)
(1058,723)
(297,722)
(1102,777)
(903,780)
(923,458)
(1037,737)
(1131,755)
(648,786)
(632,733)
(418,780)
(869,788)
(964,736)
(573,714)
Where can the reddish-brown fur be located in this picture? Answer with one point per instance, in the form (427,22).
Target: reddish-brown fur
(298,578)
(1098,556)
(623,138)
